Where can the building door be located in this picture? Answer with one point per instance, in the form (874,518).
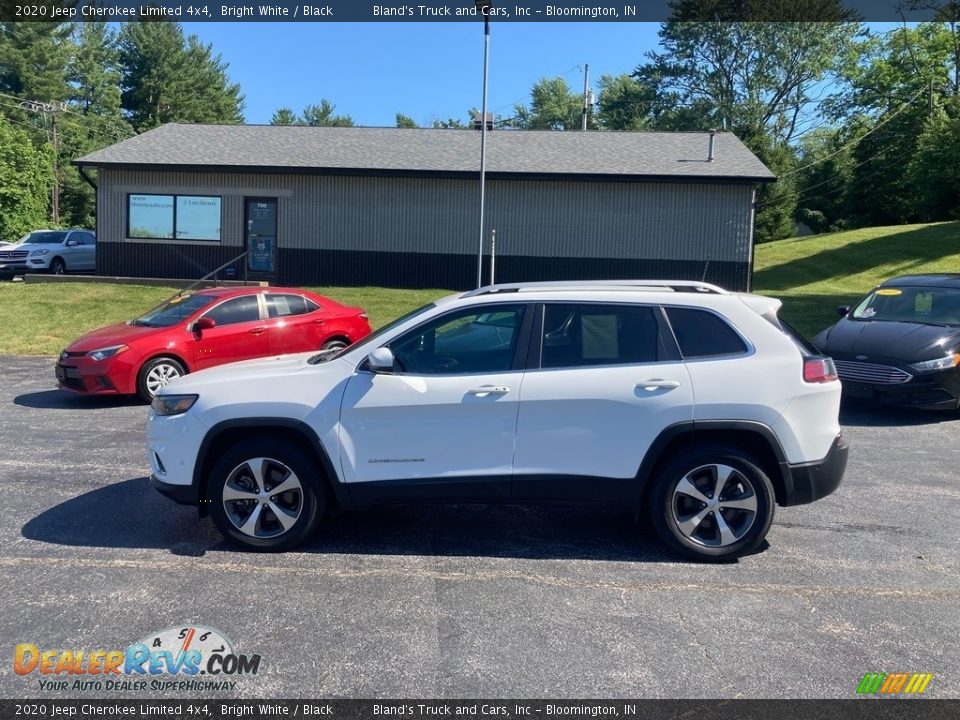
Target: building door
(261,236)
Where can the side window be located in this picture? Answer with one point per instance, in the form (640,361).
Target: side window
(237,310)
(85,238)
(702,334)
(583,335)
(471,341)
(279,306)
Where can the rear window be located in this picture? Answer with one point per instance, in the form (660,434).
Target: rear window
(702,334)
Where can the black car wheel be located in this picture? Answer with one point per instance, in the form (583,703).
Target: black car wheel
(58,267)
(713,503)
(265,495)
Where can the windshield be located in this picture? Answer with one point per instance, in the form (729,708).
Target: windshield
(369,339)
(44,237)
(927,305)
(173,311)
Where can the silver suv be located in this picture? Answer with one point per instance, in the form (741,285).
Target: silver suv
(55,251)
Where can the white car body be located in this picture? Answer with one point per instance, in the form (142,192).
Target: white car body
(593,432)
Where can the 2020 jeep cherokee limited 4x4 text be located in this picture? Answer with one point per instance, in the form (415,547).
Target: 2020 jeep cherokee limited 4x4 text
(696,403)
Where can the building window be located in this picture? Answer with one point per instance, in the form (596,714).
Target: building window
(169,217)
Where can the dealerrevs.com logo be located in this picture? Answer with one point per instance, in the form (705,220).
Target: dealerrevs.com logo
(188,658)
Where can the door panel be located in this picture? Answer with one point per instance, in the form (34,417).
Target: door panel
(261,235)
(395,427)
(240,334)
(606,388)
(449,411)
(292,328)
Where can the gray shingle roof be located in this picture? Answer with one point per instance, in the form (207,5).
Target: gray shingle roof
(659,154)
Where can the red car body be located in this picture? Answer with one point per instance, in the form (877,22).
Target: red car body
(270,321)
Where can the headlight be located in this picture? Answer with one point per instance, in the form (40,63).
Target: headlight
(944,363)
(172,404)
(34,253)
(107,352)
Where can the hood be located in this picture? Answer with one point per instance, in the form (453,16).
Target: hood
(906,341)
(31,246)
(119,334)
(253,374)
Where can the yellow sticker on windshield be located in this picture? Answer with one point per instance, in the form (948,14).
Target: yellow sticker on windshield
(889,291)
(924,303)
(178,298)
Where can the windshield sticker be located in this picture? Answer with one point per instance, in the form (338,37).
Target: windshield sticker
(889,291)
(924,303)
(869,312)
(178,298)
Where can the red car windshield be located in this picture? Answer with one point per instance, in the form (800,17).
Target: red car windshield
(173,311)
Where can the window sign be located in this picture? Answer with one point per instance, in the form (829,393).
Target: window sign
(198,218)
(151,216)
(169,217)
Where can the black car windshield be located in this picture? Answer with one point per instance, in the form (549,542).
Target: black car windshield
(174,311)
(927,305)
(43,237)
(330,354)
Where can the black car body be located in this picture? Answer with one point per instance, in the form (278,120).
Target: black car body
(901,343)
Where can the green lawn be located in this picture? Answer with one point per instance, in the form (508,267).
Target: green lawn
(43,318)
(811,275)
(814,275)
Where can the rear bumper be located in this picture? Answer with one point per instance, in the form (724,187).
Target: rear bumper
(182,494)
(812,481)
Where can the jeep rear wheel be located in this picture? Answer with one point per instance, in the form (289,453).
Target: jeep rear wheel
(265,495)
(712,503)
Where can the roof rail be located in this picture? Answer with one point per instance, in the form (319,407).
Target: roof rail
(668,285)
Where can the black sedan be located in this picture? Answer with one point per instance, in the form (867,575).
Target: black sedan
(901,343)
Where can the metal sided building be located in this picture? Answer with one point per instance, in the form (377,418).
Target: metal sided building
(400,207)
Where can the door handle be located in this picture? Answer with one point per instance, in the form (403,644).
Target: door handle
(257,330)
(485,390)
(319,322)
(657,384)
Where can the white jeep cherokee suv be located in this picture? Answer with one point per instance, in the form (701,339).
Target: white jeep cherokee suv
(696,403)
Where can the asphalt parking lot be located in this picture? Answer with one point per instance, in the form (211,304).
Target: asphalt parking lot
(470,601)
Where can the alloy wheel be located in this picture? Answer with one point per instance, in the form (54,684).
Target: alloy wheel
(262,497)
(714,505)
(159,376)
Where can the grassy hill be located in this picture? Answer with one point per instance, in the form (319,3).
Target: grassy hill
(813,275)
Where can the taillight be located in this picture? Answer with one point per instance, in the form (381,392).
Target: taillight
(819,370)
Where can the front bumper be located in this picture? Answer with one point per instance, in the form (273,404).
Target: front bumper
(807,482)
(13,267)
(182,494)
(87,380)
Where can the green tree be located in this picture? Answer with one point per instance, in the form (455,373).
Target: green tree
(405,121)
(26,177)
(553,106)
(284,116)
(322,115)
(171,78)
(33,60)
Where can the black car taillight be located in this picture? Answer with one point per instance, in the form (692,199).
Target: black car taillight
(819,370)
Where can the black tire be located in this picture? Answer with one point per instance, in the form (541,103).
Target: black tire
(146,384)
(58,267)
(278,456)
(334,344)
(674,513)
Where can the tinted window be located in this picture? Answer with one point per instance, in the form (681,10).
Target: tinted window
(702,334)
(470,341)
(579,335)
(45,236)
(85,238)
(284,305)
(238,310)
(929,305)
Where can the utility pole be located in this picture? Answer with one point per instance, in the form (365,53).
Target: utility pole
(586,97)
(51,108)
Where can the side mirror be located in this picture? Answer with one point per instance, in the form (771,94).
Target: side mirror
(204,323)
(381,360)
(72,243)
(843,310)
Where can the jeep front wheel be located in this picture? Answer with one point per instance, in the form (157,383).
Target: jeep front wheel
(265,495)
(712,504)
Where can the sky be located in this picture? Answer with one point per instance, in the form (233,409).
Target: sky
(371,71)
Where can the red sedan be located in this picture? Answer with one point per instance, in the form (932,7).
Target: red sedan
(203,329)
